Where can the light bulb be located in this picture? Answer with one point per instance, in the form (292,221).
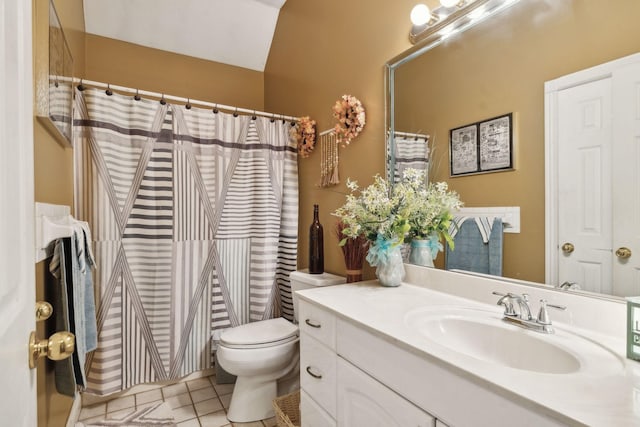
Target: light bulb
(449,3)
(420,14)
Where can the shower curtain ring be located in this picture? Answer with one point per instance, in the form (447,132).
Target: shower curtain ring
(109,92)
(283,120)
(273,118)
(188,104)
(81,87)
(254,117)
(162,101)
(215,109)
(137,96)
(235,113)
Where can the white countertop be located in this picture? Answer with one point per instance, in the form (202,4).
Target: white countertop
(608,395)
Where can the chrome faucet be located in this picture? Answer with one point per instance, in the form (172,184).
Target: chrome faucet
(508,301)
(524,318)
(566,286)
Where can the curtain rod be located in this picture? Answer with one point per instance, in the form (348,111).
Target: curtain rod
(132,91)
(409,134)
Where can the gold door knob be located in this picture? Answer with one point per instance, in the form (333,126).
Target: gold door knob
(567,248)
(44,310)
(58,347)
(623,253)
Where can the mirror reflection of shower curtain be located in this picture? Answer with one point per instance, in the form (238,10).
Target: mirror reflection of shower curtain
(194,217)
(411,151)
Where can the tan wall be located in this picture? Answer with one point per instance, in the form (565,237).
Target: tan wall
(322,50)
(499,68)
(125,64)
(53,180)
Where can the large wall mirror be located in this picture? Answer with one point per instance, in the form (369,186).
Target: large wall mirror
(500,66)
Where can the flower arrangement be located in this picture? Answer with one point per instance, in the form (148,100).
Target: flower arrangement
(388,215)
(349,112)
(430,208)
(305,135)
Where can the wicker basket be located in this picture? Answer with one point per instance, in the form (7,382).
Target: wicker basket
(287,409)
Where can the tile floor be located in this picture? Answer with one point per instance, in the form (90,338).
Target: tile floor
(196,402)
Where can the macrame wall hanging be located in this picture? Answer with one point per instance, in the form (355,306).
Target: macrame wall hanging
(350,119)
(328,159)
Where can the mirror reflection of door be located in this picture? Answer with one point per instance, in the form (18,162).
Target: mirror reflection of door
(598,130)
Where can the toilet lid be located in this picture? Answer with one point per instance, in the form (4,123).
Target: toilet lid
(260,334)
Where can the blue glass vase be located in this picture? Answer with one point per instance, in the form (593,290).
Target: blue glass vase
(420,253)
(390,269)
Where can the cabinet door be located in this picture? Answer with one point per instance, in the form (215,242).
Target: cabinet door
(312,414)
(364,402)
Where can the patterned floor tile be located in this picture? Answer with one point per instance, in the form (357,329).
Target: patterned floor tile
(121,403)
(196,402)
(203,394)
(208,406)
(216,419)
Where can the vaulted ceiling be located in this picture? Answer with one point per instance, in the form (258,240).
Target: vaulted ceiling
(234,32)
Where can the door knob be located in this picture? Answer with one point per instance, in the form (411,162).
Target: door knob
(567,248)
(44,310)
(623,253)
(58,347)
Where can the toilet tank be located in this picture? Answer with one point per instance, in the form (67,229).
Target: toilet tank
(301,280)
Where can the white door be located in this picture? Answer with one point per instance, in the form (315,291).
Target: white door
(626,180)
(584,182)
(595,127)
(17,254)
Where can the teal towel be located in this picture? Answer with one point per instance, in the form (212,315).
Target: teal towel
(73,307)
(471,253)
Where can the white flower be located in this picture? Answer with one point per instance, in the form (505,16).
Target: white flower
(409,209)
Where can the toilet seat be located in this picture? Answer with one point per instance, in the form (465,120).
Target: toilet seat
(265,333)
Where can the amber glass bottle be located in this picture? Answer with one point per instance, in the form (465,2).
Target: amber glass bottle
(316,245)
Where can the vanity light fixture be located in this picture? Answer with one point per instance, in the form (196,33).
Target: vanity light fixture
(451,17)
(421,16)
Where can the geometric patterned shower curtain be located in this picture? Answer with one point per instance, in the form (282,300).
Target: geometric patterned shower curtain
(194,217)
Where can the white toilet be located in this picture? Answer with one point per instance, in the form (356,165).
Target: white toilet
(260,353)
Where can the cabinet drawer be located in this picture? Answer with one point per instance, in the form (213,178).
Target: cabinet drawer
(318,373)
(312,415)
(318,323)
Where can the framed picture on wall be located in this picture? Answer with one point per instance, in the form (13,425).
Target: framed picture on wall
(463,149)
(482,147)
(496,143)
(55,86)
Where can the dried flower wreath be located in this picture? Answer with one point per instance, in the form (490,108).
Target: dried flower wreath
(305,134)
(349,112)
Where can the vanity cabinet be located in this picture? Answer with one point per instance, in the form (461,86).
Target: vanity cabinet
(337,393)
(352,376)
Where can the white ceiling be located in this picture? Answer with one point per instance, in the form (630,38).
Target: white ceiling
(235,32)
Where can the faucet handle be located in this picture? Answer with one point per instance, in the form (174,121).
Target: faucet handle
(507,302)
(543,315)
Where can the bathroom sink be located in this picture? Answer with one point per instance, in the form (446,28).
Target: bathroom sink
(483,335)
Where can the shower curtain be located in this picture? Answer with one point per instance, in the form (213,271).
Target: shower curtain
(194,217)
